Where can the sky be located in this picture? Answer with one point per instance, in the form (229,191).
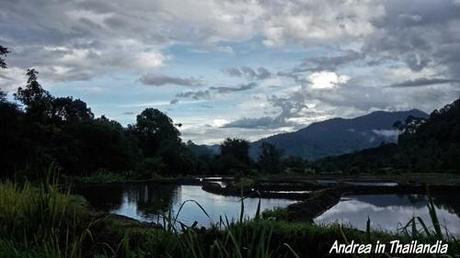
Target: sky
(237,68)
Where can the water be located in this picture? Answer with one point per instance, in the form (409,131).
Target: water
(331,182)
(388,212)
(145,202)
(371,183)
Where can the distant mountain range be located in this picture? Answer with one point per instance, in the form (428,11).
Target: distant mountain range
(331,137)
(338,135)
(428,145)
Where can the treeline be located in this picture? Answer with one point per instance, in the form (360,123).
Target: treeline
(61,131)
(233,158)
(39,130)
(425,145)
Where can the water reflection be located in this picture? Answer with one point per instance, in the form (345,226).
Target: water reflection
(106,198)
(332,182)
(387,212)
(146,202)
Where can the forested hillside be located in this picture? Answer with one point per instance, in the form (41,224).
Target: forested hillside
(338,135)
(424,145)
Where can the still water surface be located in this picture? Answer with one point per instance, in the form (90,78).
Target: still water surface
(390,211)
(146,202)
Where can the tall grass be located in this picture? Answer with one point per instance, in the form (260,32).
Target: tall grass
(226,239)
(41,221)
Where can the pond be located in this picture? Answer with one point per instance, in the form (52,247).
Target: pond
(390,211)
(332,182)
(146,202)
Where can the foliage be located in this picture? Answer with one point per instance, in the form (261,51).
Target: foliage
(63,131)
(103,177)
(3,52)
(40,221)
(270,159)
(234,156)
(425,145)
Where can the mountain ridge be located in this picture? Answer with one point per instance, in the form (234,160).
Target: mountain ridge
(333,137)
(432,144)
(338,136)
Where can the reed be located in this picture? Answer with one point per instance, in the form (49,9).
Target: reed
(42,220)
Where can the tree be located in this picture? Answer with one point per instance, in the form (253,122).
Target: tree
(235,154)
(154,129)
(13,146)
(159,138)
(69,110)
(38,101)
(3,52)
(85,146)
(2,97)
(270,158)
(294,164)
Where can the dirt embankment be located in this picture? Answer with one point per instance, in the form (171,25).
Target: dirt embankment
(318,202)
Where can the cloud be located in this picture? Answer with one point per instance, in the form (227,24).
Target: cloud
(330,63)
(208,93)
(326,80)
(423,82)
(336,58)
(241,87)
(201,94)
(109,36)
(292,113)
(262,122)
(329,21)
(260,73)
(418,34)
(161,80)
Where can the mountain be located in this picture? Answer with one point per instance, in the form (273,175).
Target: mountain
(203,150)
(425,145)
(338,135)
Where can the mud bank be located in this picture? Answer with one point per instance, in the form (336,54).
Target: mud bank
(258,192)
(318,202)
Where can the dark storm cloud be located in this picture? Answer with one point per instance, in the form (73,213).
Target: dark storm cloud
(161,80)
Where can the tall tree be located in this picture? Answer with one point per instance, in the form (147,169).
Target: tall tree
(38,101)
(70,110)
(154,128)
(3,52)
(270,158)
(235,155)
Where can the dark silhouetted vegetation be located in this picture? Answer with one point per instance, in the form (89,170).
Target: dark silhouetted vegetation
(39,129)
(431,144)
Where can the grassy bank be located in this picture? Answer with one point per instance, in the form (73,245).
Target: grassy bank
(43,221)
